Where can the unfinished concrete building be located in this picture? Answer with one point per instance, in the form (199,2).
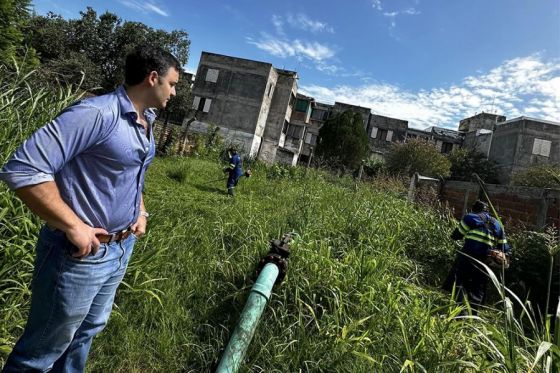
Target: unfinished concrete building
(234,94)
(320,112)
(295,130)
(477,131)
(384,131)
(257,107)
(277,146)
(340,107)
(249,101)
(523,142)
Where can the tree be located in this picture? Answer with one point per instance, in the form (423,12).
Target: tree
(14,26)
(343,140)
(417,156)
(542,176)
(95,46)
(465,162)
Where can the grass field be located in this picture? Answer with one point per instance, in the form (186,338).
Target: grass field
(362,291)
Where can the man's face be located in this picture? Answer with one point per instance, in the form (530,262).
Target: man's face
(164,88)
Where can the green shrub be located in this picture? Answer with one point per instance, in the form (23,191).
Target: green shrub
(465,162)
(417,156)
(542,176)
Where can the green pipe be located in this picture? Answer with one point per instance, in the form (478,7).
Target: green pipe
(245,329)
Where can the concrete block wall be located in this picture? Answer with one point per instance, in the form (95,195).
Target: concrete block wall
(532,207)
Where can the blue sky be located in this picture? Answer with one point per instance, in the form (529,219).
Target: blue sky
(429,62)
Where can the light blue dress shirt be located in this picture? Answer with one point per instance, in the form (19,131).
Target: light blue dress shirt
(97,153)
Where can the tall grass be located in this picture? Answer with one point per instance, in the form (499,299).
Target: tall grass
(361,293)
(25,106)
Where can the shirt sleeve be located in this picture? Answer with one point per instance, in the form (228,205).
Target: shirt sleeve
(502,243)
(52,146)
(465,225)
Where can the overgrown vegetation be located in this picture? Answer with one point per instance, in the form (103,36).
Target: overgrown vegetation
(357,297)
(25,106)
(543,176)
(417,156)
(465,162)
(361,293)
(343,141)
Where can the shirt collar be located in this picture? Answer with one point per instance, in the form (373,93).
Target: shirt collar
(128,108)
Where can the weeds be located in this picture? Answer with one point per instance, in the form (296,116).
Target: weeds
(359,295)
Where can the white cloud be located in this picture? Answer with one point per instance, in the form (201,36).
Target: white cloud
(303,22)
(521,86)
(392,15)
(147,7)
(280,45)
(313,51)
(376,4)
(278,23)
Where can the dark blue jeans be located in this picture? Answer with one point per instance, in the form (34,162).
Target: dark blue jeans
(71,303)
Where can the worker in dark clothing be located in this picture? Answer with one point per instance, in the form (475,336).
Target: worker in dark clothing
(483,235)
(234,170)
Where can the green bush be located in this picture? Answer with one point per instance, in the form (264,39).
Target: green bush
(542,176)
(417,156)
(465,162)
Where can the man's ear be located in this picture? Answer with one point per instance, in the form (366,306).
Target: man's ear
(152,78)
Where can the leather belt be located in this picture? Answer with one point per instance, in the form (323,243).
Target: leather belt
(115,237)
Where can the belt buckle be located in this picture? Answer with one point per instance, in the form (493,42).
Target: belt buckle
(111,238)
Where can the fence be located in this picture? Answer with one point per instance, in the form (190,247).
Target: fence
(532,207)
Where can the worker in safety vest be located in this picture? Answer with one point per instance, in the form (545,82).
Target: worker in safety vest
(234,170)
(486,242)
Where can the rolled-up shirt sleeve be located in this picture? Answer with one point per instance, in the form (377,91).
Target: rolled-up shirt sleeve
(41,156)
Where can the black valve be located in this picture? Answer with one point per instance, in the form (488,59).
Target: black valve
(278,254)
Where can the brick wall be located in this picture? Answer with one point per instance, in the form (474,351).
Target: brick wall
(531,207)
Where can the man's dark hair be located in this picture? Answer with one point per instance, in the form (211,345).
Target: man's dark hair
(145,59)
(479,206)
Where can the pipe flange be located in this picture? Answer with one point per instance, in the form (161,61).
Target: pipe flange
(279,261)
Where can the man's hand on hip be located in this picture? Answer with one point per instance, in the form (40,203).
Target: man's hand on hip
(83,237)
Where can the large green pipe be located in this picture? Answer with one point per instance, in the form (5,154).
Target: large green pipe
(243,333)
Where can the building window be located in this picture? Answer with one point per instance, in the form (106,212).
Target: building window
(382,134)
(310,139)
(295,131)
(319,114)
(270,86)
(373,133)
(542,147)
(389,135)
(446,147)
(212,75)
(202,104)
(301,105)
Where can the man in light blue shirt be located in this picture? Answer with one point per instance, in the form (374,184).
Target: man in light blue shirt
(83,173)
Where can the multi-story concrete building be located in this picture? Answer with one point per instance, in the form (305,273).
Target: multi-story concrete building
(277,146)
(523,142)
(234,94)
(320,112)
(383,131)
(515,144)
(258,108)
(340,107)
(249,100)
